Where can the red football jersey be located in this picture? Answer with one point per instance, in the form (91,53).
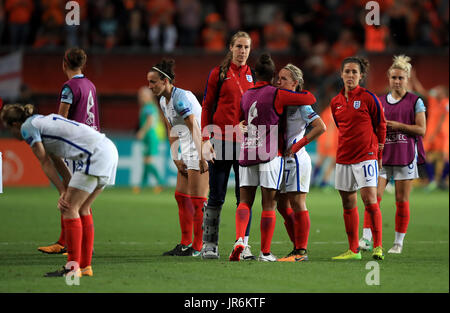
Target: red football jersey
(361,124)
(237,81)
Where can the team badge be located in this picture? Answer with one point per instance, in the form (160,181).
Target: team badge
(356,104)
(249,78)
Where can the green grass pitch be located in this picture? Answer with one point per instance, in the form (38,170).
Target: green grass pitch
(132,232)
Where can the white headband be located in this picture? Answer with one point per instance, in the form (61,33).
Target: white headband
(155,68)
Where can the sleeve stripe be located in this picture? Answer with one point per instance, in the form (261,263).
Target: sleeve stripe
(378,106)
(206,87)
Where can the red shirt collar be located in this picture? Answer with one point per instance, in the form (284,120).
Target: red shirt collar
(353,92)
(237,68)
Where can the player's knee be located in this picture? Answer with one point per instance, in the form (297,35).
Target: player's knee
(401,197)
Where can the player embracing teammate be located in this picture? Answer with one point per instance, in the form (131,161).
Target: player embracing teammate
(261,162)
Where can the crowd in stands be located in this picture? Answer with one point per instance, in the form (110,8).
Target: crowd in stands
(306,27)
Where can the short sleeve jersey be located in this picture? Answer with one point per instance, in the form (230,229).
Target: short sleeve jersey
(182,104)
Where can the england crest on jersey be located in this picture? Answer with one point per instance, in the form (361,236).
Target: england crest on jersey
(249,78)
(356,104)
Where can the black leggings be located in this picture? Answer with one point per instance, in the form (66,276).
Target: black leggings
(227,154)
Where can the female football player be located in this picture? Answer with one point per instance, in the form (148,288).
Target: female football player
(360,120)
(182,113)
(53,137)
(297,167)
(220,107)
(260,161)
(403,150)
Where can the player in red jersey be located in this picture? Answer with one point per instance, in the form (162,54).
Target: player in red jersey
(360,120)
(220,117)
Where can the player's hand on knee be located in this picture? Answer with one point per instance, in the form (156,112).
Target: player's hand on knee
(63,205)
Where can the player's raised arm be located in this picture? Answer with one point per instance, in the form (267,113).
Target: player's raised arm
(286,98)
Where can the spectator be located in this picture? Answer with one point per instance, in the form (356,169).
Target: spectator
(303,43)
(161,13)
(19,17)
(429,26)
(214,34)
(302,17)
(136,32)
(106,34)
(278,33)
(399,22)
(344,47)
(376,38)
(50,34)
(233,16)
(255,36)
(53,9)
(189,17)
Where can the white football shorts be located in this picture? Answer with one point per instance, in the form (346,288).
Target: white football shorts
(267,175)
(351,177)
(406,172)
(297,173)
(102,168)
(188,153)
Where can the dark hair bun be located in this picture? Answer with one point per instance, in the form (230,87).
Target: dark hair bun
(265,58)
(265,68)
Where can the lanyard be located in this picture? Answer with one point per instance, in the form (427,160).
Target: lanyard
(237,82)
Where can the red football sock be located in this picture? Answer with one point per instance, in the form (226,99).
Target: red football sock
(242,217)
(302,226)
(87,242)
(289,221)
(62,237)
(268,219)
(186,216)
(198,203)
(351,220)
(367,220)
(377,223)
(74,234)
(367,217)
(402,217)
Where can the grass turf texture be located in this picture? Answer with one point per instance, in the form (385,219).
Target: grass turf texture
(132,232)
